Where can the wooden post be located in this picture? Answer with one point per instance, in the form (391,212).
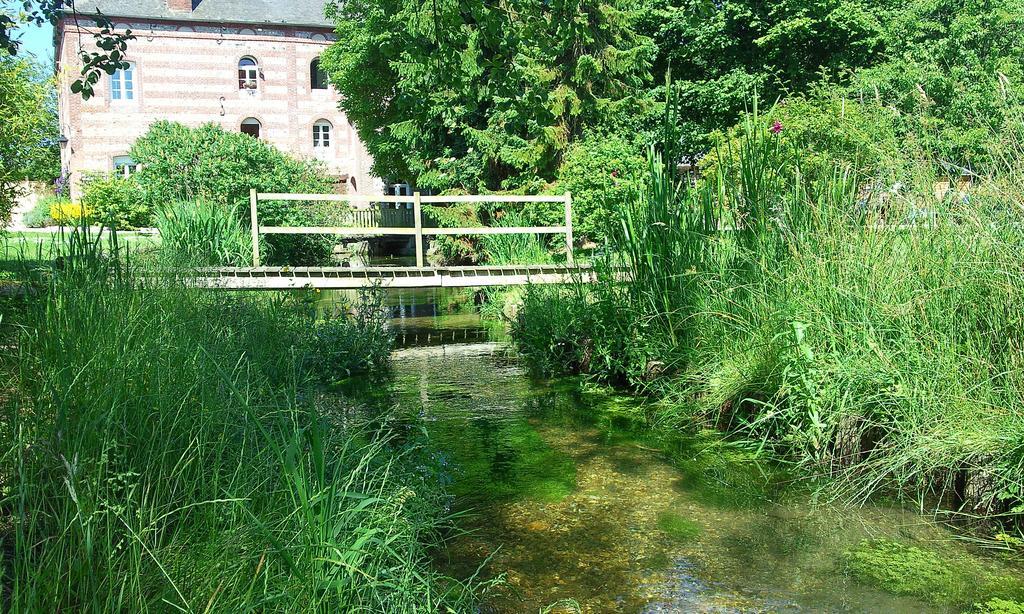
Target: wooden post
(568,229)
(418,222)
(254,226)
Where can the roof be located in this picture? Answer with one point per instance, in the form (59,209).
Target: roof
(293,12)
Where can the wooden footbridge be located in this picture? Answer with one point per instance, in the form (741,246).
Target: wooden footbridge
(369,216)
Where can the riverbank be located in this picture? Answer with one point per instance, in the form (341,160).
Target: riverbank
(566,494)
(873,358)
(168,448)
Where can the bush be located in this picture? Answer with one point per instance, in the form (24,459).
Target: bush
(820,325)
(202,233)
(825,129)
(40,216)
(602,172)
(341,346)
(178,163)
(116,202)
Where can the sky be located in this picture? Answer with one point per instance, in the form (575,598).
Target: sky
(35,40)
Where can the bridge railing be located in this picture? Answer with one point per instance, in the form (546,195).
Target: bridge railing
(363,207)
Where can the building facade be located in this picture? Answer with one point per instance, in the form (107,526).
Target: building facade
(247,66)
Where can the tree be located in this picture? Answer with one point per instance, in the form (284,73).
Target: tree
(723,53)
(112,44)
(484,96)
(953,71)
(28,129)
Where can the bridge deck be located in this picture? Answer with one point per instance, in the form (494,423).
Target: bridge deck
(284,278)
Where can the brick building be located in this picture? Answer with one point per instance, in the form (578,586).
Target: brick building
(247,65)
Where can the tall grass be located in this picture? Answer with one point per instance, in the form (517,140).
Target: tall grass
(844,334)
(162,451)
(201,233)
(514,248)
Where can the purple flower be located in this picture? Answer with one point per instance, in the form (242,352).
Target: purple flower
(776,127)
(60,184)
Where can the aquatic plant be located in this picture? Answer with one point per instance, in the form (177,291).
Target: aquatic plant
(678,527)
(203,233)
(942,578)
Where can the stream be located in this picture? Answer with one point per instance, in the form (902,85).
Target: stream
(578,511)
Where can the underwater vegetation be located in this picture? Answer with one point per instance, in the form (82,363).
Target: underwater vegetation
(939,577)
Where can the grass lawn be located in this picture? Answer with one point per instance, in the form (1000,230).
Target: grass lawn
(41,245)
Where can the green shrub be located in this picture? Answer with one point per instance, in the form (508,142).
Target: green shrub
(115,201)
(40,216)
(340,346)
(202,233)
(178,163)
(602,172)
(513,249)
(825,129)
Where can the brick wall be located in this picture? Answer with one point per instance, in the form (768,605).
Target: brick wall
(188,72)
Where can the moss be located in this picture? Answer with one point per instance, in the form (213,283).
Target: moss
(677,527)
(927,574)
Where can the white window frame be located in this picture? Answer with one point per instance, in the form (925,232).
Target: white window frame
(122,84)
(323,134)
(124,166)
(248,76)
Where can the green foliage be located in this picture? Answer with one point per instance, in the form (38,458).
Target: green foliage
(178,163)
(165,447)
(116,202)
(514,249)
(39,216)
(940,578)
(202,233)
(207,163)
(678,527)
(487,96)
(723,53)
(28,140)
(999,606)
(340,346)
(602,173)
(828,129)
(852,332)
(952,70)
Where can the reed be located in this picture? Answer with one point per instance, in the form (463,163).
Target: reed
(875,345)
(162,451)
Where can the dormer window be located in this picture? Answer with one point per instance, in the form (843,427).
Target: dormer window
(317,77)
(122,83)
(248,74)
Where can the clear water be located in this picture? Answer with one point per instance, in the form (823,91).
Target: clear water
(569,505)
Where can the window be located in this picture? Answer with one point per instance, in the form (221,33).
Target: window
(251,126)
(124,166)
(322,134)
(317,77)
(248,74)
(122,83)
